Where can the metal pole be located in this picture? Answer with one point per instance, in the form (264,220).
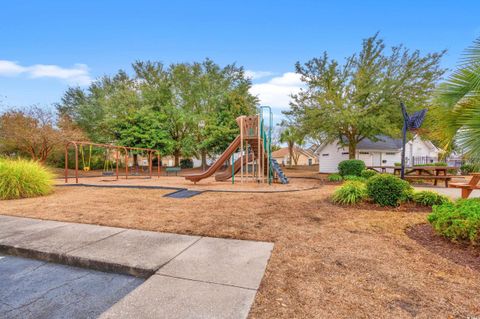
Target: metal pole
(66,163)
(117,155)
(404,139)
(76,163)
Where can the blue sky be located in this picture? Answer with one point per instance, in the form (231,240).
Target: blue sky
(45,46)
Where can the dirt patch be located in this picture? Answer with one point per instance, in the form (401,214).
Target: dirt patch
(460,253)
(328,261)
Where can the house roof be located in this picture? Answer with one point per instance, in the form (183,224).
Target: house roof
(284,151)
(383,143)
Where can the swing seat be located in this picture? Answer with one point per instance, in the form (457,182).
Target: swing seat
(107,173)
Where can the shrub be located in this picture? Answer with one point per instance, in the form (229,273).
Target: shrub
(457,221)
(466,169)
(22,178)
(368,173)
(351,167)
(397,164)
(335,178)
(354,178)
(429,198)
(350,193)
(388,190)
(186,163)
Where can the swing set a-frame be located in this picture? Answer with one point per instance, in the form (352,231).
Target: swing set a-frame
(118,151)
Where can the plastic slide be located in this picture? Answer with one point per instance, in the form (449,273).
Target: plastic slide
(227,174)
(223,158)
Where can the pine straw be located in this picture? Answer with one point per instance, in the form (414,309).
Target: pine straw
(328,262)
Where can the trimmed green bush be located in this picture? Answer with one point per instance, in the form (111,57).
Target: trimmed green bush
(368,173)
(429,198)
(22,178)
(351,167)
(354,178)
(457,221)
(335,178)
(186,163)
(350,193)
(388,190)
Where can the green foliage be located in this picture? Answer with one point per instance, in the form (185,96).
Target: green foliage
(388,190)
(352,192)
(162,107)
(368,173)
(433,164)
(186,163)
(360,98)
(397,164)
(354,178)
(466,169)
(22,178)
(454,120)
(351,167)
(457,221)
(335,178)
(429,198)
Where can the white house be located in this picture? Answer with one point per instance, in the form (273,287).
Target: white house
(384,152)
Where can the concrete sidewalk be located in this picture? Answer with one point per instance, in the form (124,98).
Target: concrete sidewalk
(188,276)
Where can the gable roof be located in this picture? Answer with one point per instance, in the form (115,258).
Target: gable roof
(383,143)
(284,151)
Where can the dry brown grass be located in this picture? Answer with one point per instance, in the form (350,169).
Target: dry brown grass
(328,261)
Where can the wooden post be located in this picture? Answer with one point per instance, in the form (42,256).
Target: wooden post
(76,163)
(117,155)
(158,165)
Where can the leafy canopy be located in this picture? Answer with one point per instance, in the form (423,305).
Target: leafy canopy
(360,98)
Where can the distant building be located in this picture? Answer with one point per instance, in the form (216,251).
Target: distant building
(304,157)
(384,152)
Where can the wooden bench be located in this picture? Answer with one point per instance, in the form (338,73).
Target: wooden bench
(435,178)
(172,169)
(467,188)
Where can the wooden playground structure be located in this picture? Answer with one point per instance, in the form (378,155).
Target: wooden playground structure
(249,155)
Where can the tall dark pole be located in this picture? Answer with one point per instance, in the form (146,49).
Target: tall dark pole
(404,139)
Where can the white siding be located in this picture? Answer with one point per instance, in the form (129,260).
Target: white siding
(330,156)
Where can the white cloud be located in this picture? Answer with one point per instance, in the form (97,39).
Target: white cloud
(254,75)
(78,74)
(276,92)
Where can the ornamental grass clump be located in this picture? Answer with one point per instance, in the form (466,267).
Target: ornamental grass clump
(23,178)
(388,190)
(429,198)
(350,193)
(457,221)
(334,178)
(368,173)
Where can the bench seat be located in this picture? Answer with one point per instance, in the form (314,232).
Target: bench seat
(447,179)
(172,169)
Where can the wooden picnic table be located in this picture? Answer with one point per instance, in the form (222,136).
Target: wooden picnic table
(423,170)
(380,168)
(467,188)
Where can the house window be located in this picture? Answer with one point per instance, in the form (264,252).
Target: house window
(325,155)
(390,153)
(345,153)
(364,153)
(309,162)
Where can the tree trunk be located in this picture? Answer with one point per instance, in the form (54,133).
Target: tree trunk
(177,154)
(204,160)
(352,149)
(290,151)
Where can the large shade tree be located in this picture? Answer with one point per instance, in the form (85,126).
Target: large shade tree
(360,98)
(173,100)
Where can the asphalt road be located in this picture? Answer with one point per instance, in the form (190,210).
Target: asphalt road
(37,289)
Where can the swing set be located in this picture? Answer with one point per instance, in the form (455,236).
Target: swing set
(85,150)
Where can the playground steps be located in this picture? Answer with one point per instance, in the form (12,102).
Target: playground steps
(278,170)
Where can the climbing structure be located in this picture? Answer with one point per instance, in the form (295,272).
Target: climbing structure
(249,155)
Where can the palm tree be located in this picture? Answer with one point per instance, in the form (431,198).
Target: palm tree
(291,136)
(457,110)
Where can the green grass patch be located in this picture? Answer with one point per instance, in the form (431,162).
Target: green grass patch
(350,193)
